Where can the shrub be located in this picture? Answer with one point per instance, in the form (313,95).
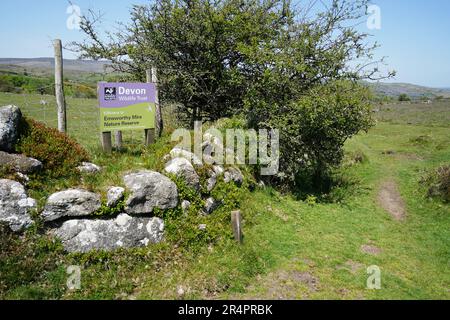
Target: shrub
(80,91)
(438,183)
(403,97)
(7,172)
(314,128)
(23,83)
(211,54)
(59,154)
(6,86)
(106,211)
(235,122)
(354,157)
(257,58)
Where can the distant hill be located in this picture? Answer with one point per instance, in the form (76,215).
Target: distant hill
(412,90)
(81,69)
(49,63)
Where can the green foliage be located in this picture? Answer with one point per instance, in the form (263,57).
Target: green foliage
(336,187)
(415,113)
(438,183)
(255,58)
(314,128)
(213,55)
(354,157)
(25,84)
(183,229)
(6,172)
(79,91)
(235,122)
(404,97)
(279,231)
(59,154)
(229,193)
(106,211)
(206,74)
(17,83)
(311,200)
(7,86)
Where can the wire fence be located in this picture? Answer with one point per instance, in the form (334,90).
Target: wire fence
(82,116)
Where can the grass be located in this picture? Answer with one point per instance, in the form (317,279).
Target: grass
(292,249)
(82,114)
(415,253)
(416,113)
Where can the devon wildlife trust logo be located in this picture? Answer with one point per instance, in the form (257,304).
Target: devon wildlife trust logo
(110,93)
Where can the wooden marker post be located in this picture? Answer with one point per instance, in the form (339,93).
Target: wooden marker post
(59,86)
(107,142)
(236,221)
(149,133)
(159,120)
(118,140)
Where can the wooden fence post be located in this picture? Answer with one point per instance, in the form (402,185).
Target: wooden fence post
(118,140)
(106,142)
(149,133)
(59,86)
(159,120)
(236,221)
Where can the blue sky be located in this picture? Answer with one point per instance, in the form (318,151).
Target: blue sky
(414,34)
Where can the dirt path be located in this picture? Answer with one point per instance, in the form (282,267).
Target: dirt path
(390,200)
(286,283)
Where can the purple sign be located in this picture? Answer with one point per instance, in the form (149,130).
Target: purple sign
(126,106)
(116,94)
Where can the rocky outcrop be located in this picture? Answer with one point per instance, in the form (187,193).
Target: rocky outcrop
(20,163)
(211,205)
(183,168)
(84,235)
(149,190)
(9,127)
(210,147)
(235,175)
(185,205)
(114,196)
(89,168)
(15,206)
(181,153)
(213,176)
(71,203)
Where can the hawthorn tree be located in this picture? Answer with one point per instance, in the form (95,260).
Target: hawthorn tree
(200,47)
(292,67)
